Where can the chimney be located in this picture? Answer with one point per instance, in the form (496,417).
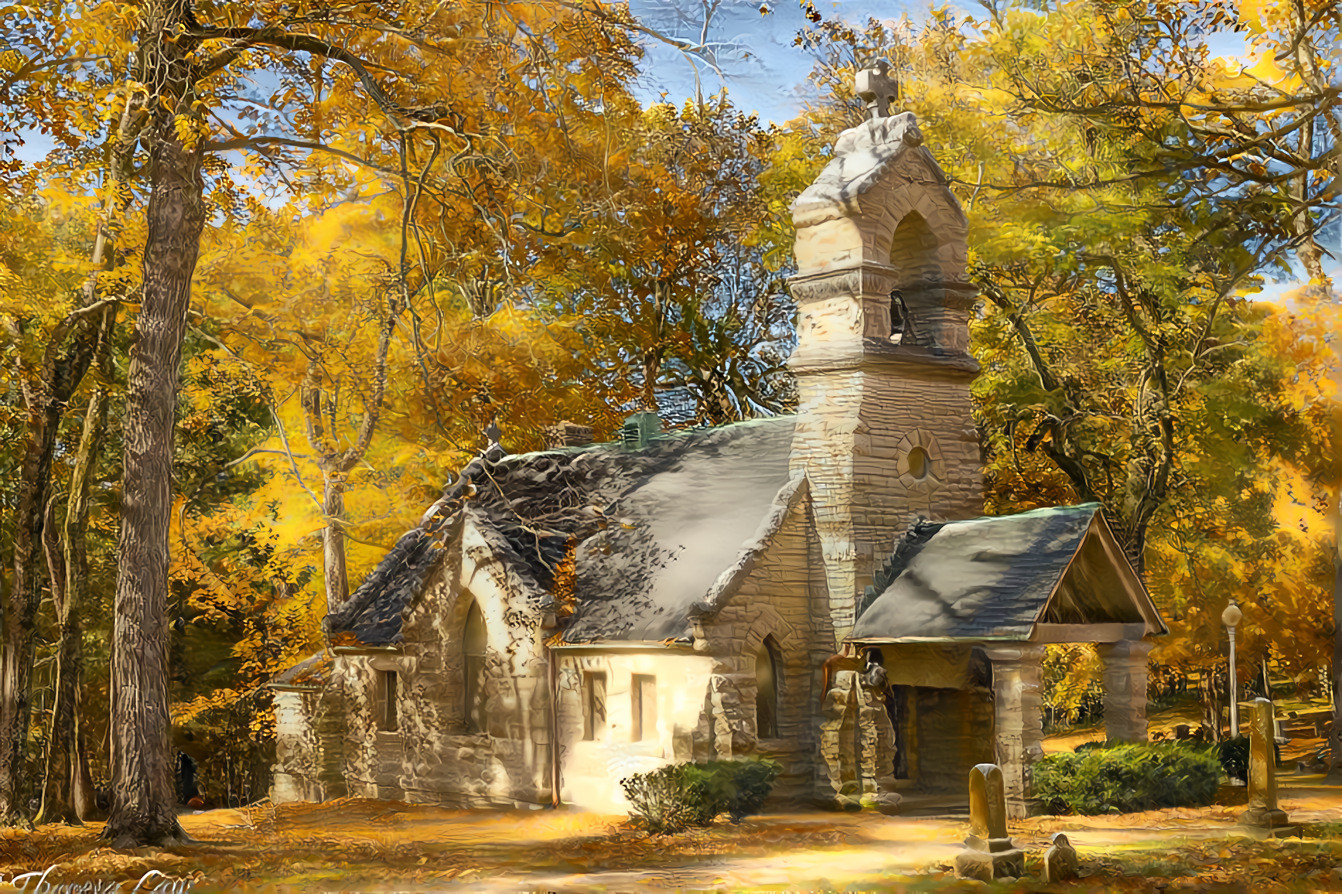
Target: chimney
(639,430)
(567,434)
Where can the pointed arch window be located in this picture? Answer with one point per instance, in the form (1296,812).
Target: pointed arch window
(766,689)
(473,646)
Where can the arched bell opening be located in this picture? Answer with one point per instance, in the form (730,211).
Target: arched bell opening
(914,255)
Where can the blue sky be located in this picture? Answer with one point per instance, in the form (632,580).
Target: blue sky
(766,73)
(763,70)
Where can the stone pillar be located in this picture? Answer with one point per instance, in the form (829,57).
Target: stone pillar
(1125,689)
(876,761)
(1018,728)
(840,783)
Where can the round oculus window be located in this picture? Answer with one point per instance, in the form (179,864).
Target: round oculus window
(920,464)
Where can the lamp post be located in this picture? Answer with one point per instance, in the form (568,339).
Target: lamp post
(1231,617)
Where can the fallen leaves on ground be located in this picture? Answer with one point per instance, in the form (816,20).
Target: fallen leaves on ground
(367,845)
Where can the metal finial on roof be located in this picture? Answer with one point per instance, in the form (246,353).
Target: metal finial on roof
(878,89)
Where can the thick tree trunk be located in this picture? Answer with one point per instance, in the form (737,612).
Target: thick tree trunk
(20,613)
(143,797)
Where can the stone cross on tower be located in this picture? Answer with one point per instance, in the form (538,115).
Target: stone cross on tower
(878,89)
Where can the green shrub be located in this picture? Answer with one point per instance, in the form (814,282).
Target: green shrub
(742,785)
(668,799)
(673,798)
(1126,778)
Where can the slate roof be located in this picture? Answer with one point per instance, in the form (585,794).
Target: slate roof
(986,578)
(651,530)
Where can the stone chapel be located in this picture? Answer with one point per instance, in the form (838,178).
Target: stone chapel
(818,589)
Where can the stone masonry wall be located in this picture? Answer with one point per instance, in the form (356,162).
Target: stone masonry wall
(434,756)
(855,432)
(373,758)
(951,733)
(296,748)
(592,768)
(868,399)
(782,599)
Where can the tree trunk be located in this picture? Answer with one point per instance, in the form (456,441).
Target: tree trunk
(1335,729)
(143,799)
(333,542)
(652,370)
(67,790)
(20,612)
(56,780)
(60,375)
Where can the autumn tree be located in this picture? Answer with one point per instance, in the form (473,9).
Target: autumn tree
(1127,194)
(185,68)
(672,280)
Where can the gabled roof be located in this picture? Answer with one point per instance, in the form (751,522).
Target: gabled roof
(863,155)
(997,578)
(650,531)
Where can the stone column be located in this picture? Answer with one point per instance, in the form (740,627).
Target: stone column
(1018,729)
(876,761)
(841,783)
(1125,689)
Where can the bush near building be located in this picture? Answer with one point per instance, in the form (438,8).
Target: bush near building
(1126,779)
(672,798)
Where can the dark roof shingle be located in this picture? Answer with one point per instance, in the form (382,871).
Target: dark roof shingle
(986,578)
(652,529)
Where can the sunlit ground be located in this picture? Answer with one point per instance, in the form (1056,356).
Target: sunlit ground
(385,846)
(380,846)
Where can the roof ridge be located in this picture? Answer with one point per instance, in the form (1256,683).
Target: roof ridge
(659,438)
(1092,506)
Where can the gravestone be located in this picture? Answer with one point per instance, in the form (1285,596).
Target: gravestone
(1264,817)
(1060,862)
(988,852)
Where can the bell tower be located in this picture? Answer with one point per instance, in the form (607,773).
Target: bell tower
(884,430)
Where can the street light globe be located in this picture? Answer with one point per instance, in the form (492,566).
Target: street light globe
(1232,615)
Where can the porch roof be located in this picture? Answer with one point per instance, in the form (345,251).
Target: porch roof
(1006,578)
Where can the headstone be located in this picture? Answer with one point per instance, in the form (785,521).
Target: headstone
(1060,862)
(988,852)
(1263,817)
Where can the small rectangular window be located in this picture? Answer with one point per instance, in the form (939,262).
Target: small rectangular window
(386,707)
(593,704)
(643,691)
